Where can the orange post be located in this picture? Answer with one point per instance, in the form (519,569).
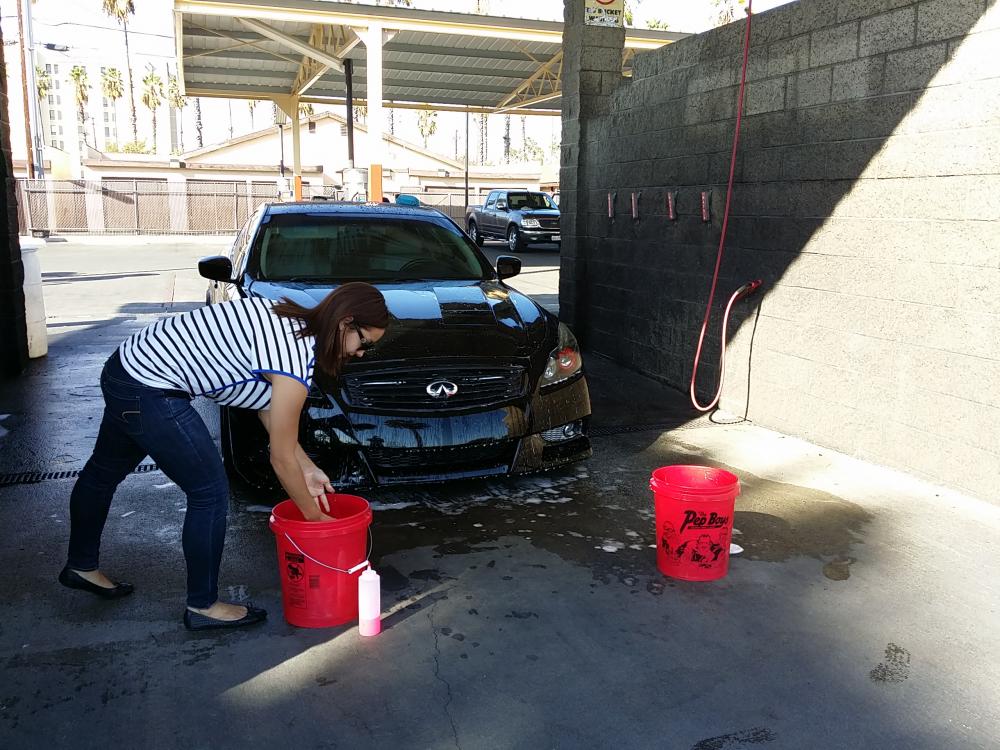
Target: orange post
(375,183)
(298,187)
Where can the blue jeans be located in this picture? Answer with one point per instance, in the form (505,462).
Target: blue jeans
(140,421)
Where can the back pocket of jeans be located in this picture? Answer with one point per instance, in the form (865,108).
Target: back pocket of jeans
(126,412)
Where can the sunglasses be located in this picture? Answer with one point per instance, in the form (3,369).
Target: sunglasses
(364,345)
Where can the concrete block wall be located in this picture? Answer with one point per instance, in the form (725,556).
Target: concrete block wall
(867,197)
(13,330)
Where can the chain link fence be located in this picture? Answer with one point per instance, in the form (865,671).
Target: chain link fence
(156,206)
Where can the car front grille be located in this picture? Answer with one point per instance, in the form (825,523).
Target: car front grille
(548,223)
(409,390)
(462,459)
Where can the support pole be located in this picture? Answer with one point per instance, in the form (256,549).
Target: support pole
(349,78)
(296,149)
(373,45)
(466,160)
(30,161)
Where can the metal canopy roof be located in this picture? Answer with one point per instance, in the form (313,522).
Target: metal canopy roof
(260,49)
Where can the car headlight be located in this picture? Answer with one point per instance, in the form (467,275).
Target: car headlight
(530,223)
(564,361)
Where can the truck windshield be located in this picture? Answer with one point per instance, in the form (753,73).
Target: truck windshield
(517,201)
(309,247)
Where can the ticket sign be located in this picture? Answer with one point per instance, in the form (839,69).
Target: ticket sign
(605,13)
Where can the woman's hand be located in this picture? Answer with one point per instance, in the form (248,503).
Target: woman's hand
(319,485)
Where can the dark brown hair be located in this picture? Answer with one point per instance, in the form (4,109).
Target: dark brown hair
(361,302)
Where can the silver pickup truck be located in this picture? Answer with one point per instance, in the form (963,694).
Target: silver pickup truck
(518,217)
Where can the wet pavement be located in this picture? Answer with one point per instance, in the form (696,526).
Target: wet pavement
(520,613)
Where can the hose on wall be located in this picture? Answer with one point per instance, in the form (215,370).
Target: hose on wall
(747,289)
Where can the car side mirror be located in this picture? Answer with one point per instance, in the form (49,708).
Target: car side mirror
(216,268)
(501,205)
(507,266)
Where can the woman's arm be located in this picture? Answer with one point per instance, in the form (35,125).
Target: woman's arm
(287,399)
(316,479)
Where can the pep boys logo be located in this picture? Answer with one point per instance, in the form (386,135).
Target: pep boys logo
(699,520)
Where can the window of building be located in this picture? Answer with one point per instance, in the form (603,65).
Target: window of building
(107,132)
(312,127)
(52,129)
(55,83)
(52,99)
(105,117)
(343,130)
(52,114)
(60,130)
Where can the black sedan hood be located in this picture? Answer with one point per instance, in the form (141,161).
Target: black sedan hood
(441,318)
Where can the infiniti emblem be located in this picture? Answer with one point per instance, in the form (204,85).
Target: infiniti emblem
(442,389)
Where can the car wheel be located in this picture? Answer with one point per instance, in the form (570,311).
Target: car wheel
(474,234)
(514,243)
(244,447)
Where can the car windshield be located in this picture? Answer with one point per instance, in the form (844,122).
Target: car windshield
(528,200)
(310,247)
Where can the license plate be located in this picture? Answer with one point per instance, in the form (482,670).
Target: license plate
(556,238)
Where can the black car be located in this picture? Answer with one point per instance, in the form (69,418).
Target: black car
(472,378)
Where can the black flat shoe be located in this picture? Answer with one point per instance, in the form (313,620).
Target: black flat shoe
(73,580)
(197,621)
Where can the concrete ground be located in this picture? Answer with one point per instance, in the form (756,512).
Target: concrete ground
(525,613)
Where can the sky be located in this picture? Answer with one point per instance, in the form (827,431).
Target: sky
(94,39)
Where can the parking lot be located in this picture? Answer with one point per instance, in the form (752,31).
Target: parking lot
(518,613)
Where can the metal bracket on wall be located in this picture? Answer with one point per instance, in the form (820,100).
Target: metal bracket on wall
(612,197)
(635,205)
(671,201)
(706,203)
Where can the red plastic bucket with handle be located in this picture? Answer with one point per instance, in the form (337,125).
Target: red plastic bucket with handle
(319,561)
(694,520)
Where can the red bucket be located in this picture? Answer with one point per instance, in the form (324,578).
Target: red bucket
(319,561)
(694,520)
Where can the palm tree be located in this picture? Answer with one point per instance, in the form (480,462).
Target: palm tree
(427,124)
(112,87)
(78,75)
(43,82)
(252,105)
(197,120)
(726,10)
(120,10)
(152,97)
(506,139)
(178,101)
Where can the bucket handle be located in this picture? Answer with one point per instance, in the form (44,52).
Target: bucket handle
(349,571)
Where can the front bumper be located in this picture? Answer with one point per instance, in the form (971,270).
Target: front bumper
(363,450)
(540,235)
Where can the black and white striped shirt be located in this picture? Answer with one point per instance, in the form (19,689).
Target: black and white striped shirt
(220,351)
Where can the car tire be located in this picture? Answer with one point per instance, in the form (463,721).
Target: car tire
(240,432)
(514,242)
(475,235)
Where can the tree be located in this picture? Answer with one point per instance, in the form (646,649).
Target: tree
(113,89)
(78,75)
(112,85)
(197,121)
(655,23)
(252,105)
(120,10)
(506,139)
(361,113)
(152,96)
(178,101)
(43,82)
(427,124)
(484,151)
(726,10)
